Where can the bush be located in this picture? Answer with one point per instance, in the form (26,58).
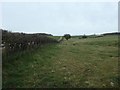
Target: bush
(67,36)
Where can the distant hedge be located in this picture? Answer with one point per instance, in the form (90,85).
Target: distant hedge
(114,33)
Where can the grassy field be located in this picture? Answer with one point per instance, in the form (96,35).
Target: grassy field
(90,62)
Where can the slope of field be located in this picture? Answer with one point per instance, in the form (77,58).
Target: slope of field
(90,62)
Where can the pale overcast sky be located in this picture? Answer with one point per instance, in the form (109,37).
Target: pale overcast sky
(60,17)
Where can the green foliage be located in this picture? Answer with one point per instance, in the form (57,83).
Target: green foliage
(67,36)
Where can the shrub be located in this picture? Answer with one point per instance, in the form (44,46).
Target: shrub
(67,36)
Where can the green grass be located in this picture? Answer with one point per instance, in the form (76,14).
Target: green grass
(90,62)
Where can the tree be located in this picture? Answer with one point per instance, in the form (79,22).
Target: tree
(67,36)
(84,36)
